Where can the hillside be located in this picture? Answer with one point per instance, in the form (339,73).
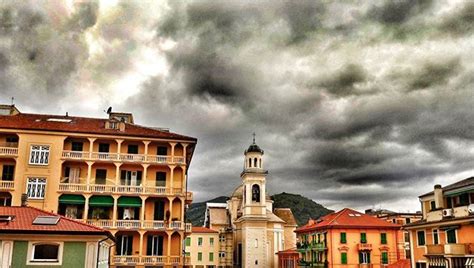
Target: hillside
(302,208)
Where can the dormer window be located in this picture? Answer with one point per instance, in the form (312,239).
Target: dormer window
(112,125)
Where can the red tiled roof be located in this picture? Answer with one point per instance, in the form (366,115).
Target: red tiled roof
(198,229)
(346,218)
(23,218)
(400,264)
(82,125)
(290,251)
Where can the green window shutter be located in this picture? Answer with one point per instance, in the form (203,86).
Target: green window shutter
(368,257)
(343,238)
(188,241)
(211,256)
(384,258)
(199,256)
(343,258)
(451,236)
(361,258)
(363,238)
(383,238)
(421,238)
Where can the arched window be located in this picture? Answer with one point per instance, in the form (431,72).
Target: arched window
(255,162)
(250,162)
(260,162)
(255,193)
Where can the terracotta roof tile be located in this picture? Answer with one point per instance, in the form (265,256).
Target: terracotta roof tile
(198,229)
(23,218)
(82,125)
(346,218)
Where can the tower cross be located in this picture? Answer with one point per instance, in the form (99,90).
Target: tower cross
(253,137)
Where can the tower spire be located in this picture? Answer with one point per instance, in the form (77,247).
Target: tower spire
(253,137)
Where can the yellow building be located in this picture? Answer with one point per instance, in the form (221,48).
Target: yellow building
(111,173)
(202,247)
(251,233)
(445,235)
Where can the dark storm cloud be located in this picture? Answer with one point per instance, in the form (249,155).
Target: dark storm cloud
(346,99)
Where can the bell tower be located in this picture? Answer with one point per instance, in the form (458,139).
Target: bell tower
(253,180)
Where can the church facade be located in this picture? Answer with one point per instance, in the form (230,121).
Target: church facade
(251,232)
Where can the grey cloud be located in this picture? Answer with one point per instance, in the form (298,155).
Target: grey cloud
(343,82)
(460,21)
(398,11)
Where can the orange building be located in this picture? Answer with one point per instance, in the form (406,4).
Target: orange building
(108,172)
(348,238)
(445,236)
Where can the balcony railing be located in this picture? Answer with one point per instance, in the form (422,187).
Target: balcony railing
(8,151)
(7,185)
(318,246)
(364,246)
(98,156)
(366,265)
(121,189)
(455,249)
(150,260)
(137,224)
(434,249)
(188,227)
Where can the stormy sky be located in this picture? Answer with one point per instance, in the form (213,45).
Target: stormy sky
(356,103)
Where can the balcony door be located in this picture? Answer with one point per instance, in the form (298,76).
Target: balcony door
(124,245)
(100,176)
(132,178)
(159,213)
(160,179)
(73,174)
(154,245)
(8,172)
(364,257)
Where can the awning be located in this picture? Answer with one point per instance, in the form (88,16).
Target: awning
(129,201)
(437,262)
(463,190)
(470,263)
(101,201)
(72,199)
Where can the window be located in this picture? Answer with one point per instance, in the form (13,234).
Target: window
(433,205)
(188,241)
(160,179)
(199,256)
(132,149)
(343,238)
(8,172)
(464,199)
(255,193)
(256,243)
(384,258)
(383,238)
(451,236)
(199,241)
(77,146)
(420,265)
(35,188)
(363,238)
(421,238)
(250,162)
(12,141)
(222,254)
(124,245)
(407,220)
(39,155)
(104,147)
(40,252)
(154,245)
(449,202)
(343,257)
(211,256)
(221,238)
(435,237)
(100,176)
(162,150)
(364,257)
(211,241)
(255,162)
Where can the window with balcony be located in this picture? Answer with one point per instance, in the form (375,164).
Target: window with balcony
(154,245)
(464,199)
(104,147)
(421,238)
(100,176)
(343,257)
(343,238)
(12,141)
(132,149)
(129,177)
(451,236)
(124,245)
(435,237)
(8,172)
(35,188)
(364,257)
(77,146)
(363,238)
(383,238)
(39,155)
(162,150)
(160,179)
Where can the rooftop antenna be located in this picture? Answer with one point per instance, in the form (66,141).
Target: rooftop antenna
(253,137)
(109,110)
(13,101)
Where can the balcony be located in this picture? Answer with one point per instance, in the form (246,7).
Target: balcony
(318,246)
(435,215)
(364,247)
(150,260)
(137,224)
(9,150)
(455,249)
(188,228)
(115,157)
(118,189)
(434,249)
(7,185)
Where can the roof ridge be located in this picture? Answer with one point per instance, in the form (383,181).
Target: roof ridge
(339,213)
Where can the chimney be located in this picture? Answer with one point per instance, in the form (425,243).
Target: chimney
(24,200)
(438,196)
